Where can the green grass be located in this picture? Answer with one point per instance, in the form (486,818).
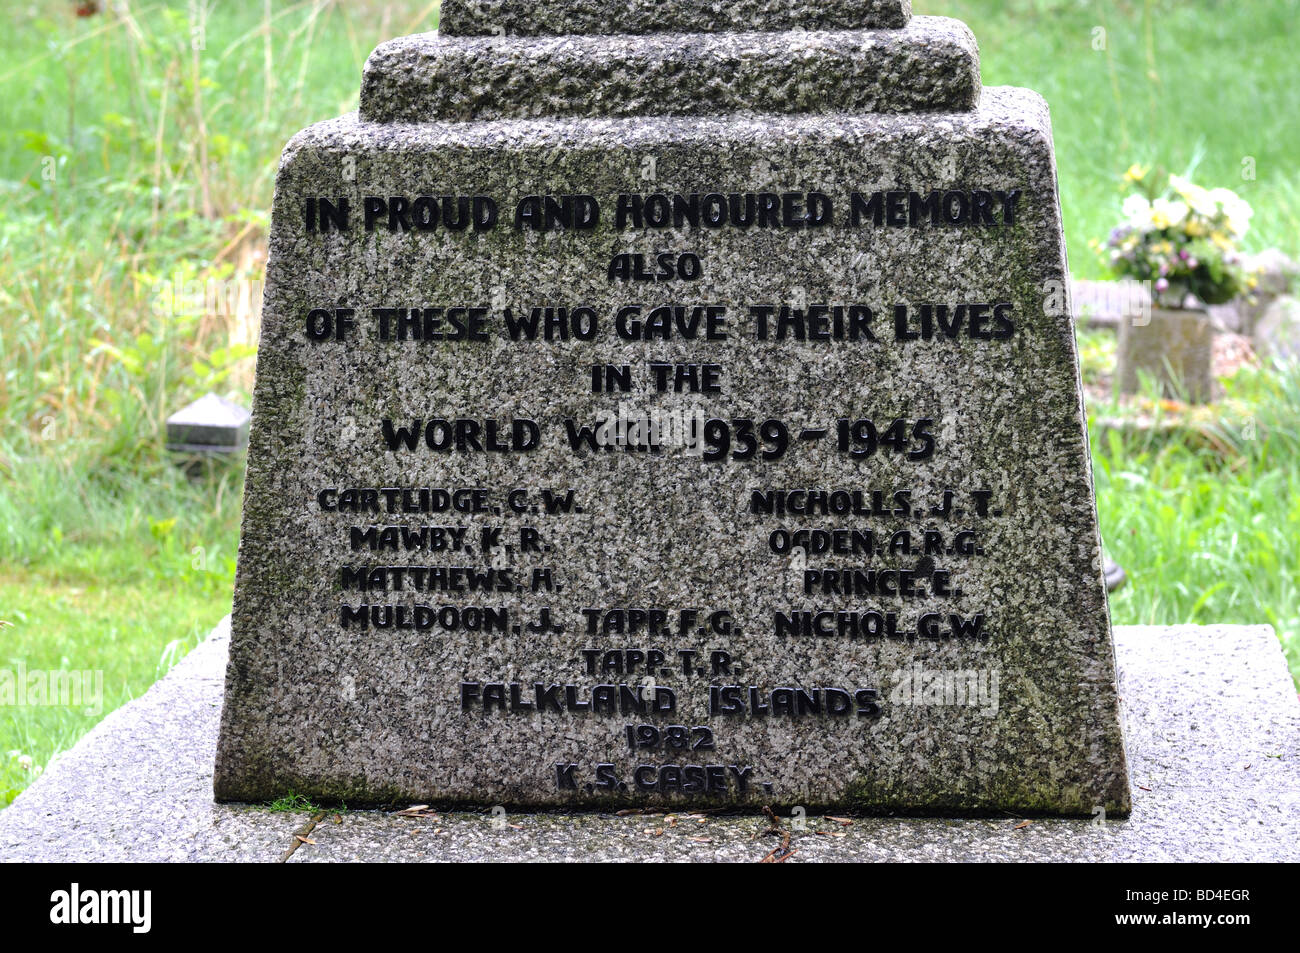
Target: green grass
(292,804)
(1206,519)
(1179,82)
(114,569)
(123,629)
(132,159)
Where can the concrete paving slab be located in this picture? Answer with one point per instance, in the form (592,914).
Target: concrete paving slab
(138,787)
(1213,734)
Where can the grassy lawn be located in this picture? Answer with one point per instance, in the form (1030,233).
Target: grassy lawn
(1207,521)
(109,569)
(1178,83)
(134,161)
(125,629)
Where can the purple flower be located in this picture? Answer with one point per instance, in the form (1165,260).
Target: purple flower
(1162,285)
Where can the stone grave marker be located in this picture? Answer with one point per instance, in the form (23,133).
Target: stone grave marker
(652,413)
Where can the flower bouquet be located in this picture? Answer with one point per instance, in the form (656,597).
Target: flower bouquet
(1181,237)
(1181,240)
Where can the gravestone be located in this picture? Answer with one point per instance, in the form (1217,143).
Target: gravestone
(680,417)
(1174,347)
(210,424)
(1277,334)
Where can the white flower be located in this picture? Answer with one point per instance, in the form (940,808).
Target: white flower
(1200,199)
(1236,209)
(1167,214)
(1137,210)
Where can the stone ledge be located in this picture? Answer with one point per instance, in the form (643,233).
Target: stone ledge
(1213,734)
(931,65)
(556,17)
(1011,112)
(138,786)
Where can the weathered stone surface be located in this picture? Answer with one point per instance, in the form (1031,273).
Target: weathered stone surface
(1213,723)
(1273,272)
(375,715)
(1278,332)
(547,17)
(931,65)
(1175,347)
(210,423)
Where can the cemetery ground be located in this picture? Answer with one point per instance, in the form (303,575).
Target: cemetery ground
(135,164)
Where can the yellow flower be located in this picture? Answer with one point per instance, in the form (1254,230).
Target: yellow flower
(1135,173)
(1194,228)
(1201,201)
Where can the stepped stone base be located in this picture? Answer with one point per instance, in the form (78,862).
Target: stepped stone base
(559,17)
(931,65)
(1213,739)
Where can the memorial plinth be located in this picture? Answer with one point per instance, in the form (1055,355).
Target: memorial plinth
(673,419)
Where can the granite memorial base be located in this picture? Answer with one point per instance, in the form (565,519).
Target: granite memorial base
(1213,736)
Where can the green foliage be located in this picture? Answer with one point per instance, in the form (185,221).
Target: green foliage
(1206,517)
(1098,350)
(136,178)
(293,803)
(107,565)
(1175,83)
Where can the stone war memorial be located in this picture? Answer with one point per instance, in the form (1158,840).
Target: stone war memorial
(676,416)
